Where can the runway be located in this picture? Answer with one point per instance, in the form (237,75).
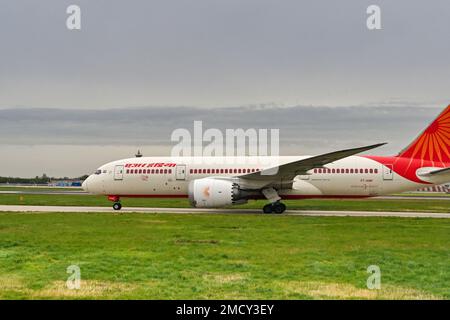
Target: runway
(37,209)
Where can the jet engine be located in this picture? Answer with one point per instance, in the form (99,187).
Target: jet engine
(214,193)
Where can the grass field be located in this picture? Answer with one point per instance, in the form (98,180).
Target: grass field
(423,205)
(38,188)
(423,194)
(173,256)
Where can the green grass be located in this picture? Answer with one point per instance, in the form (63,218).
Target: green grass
(189,256)
(38,188)
(423,194)
(418,205)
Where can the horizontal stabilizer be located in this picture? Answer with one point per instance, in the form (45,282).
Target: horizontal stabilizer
(436,172)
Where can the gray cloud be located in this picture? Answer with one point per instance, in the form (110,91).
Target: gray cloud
(58,87)
(73,142)
(221,53)
(300,126)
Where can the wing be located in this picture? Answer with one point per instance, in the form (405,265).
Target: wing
(289,170)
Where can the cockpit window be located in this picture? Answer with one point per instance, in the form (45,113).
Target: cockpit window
(98,171)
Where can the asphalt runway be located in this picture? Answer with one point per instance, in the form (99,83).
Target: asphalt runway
(20,208)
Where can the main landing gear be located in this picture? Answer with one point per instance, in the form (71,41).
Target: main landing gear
(275,206)
(117,205)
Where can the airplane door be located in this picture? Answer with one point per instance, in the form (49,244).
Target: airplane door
(180,173)
(388,172)
(118,172)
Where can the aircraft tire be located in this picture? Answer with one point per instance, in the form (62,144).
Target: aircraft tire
(117,206)
(268,208)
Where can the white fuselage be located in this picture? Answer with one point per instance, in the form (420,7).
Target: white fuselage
(354,176)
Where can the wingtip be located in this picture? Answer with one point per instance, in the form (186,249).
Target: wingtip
(379,144)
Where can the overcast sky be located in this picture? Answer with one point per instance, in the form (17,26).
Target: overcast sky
(139,69)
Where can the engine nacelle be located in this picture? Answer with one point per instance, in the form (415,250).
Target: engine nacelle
(214,193)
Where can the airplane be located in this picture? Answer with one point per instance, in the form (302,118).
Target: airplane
(214,182)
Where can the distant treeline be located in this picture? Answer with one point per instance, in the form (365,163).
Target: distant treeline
(44,179)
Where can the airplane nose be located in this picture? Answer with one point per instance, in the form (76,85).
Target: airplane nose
(84,185)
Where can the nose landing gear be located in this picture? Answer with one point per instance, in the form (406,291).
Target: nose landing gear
(117,205)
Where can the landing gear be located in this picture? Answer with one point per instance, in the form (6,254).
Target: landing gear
(276,207)
(116,199)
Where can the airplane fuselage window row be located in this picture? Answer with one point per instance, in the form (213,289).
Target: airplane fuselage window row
(149,171)
(240,171)
(365,170)
(219,171)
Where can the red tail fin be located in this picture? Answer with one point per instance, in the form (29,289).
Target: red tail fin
(434,143)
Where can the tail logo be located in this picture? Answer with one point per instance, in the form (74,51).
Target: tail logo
(434,143)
